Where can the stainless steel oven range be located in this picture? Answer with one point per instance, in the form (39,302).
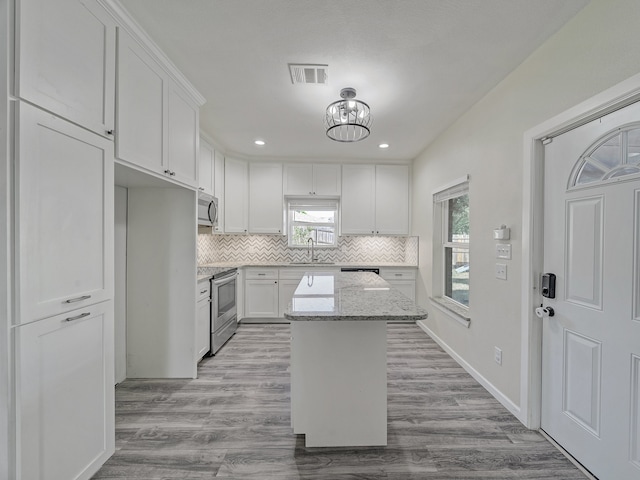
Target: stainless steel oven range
(224,319)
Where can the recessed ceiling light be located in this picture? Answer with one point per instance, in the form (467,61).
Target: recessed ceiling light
(259,142)
(383,145)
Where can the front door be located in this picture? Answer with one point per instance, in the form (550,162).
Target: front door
(591,346)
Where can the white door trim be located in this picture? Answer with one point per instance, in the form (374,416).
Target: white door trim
(614,98)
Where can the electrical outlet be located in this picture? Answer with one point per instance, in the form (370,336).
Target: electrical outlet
(497,355)
(503,250)
(501,271)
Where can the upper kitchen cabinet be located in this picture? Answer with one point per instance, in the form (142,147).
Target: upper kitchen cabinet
(218,189)
(157,120)
(65,60)
(392,199)
(316,179)
(265,198)
(206,176)
(64,217)
(375,200)
(236,188)
(358,214)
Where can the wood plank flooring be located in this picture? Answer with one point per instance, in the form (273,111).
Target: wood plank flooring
(233,422)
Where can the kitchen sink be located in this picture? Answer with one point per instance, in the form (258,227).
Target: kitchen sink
(312,263)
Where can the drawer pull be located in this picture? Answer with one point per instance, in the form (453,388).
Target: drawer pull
(78,299)
(398,274)
(261,274)
(203,291)
(77,317)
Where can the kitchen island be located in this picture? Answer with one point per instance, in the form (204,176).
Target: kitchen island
(339,356)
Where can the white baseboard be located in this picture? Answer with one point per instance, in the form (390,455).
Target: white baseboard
(503,399)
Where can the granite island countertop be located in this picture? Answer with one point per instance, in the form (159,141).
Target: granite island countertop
(350,296)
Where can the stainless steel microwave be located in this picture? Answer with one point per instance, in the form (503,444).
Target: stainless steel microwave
(207,210)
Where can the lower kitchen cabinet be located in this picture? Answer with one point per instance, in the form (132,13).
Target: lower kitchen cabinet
(65,394)
(261,293)
(203,312)
(403,279)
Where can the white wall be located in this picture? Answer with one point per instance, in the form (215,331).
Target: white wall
(594,51)
(6,424)
(120,281)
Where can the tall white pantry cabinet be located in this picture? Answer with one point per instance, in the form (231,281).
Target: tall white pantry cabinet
(63,164)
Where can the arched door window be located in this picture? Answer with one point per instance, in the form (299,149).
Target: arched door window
(613,155)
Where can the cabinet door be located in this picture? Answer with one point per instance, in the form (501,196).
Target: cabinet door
(285,293)
(392,199)
(182,133)
(218,190)
(206,168)
(358,199)
(64,215)
(236,196)
(298,179)
(203,329)
(326,179)
(261,298)
(66,60)
(142,89)
(265,198)
(65,393)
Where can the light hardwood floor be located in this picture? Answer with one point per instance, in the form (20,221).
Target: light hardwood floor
(233,422)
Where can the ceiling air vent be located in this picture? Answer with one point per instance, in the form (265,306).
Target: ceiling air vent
(309,74)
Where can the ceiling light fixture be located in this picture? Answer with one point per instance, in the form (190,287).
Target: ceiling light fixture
(348,120)
(260,143)
(383,145)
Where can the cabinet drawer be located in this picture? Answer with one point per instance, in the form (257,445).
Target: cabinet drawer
(398,274)
(261,274)
(203,290)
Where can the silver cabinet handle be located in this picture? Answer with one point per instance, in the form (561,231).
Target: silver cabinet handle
(167,171)
(398,274)
(201,188)
(172,173)
(202,291)
(77,317)
(78,299)
(261,274)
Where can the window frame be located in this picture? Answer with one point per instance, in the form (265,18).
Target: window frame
(441,244)
(316,204)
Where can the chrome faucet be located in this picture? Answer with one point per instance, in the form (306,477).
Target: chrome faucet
(313,256)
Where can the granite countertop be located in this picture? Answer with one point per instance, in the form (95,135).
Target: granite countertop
(350,296)
(285,263)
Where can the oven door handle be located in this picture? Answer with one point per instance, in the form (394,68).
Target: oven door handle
(225,279)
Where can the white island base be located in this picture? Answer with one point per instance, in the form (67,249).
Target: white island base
(339,382)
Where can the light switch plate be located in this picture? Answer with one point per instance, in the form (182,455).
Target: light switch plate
(501,271)
(503,250)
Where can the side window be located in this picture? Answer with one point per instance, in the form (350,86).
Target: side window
(451,241)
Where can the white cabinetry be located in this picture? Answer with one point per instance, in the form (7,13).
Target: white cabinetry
(403,279)
(375,200)
(203,311)
(64,192)
(265,198)
(236,184)
(206,174)
(65,389)
(218,190)
(261,293)
(392,199)
(157,122)
(358,200)
(289,280)
(66,60)
(182,131)
(317,179)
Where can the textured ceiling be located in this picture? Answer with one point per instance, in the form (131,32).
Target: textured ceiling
(419,64)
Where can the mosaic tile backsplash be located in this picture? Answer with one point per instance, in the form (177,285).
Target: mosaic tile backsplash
(274,248)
